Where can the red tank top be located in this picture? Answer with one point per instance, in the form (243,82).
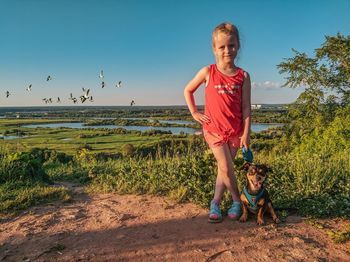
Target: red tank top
(223,102)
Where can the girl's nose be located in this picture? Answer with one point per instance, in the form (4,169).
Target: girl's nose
(228,50)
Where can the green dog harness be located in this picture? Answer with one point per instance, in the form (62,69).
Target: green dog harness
(253,199)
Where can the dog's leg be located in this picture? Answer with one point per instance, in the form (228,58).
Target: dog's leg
(262,207)
(244,215)
(273,213)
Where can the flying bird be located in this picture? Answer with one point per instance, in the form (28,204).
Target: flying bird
(85,96)
(73,98)
(29,88)
(82,99)
(119,84)
(7,94)
(132,103)
(103,84)
(101,75)
(91,99)
(58,100)
(49,78)
(47,100)
(86,92)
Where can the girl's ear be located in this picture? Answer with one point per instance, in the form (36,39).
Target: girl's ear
(213,49)
(246,166)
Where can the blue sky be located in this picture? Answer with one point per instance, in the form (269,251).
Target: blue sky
(153,47)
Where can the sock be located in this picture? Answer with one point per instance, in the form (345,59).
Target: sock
(216,202)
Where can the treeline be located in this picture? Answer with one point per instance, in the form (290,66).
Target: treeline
(268,115)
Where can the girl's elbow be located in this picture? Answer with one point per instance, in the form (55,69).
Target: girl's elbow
(187,92)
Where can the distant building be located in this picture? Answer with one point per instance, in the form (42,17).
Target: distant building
(255,106)
(198,133)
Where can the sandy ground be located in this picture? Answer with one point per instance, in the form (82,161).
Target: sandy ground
(111,227)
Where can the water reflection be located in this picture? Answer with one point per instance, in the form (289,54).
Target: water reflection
(11,137)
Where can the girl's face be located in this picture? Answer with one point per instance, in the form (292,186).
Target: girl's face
(225,47)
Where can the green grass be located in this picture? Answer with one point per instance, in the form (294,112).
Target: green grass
(311,176)
(23,181)
(338,236)
(15,197)
(53,138)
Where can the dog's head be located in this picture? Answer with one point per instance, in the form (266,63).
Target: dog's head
(256,175)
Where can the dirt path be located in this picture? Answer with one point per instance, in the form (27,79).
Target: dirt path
(110,227)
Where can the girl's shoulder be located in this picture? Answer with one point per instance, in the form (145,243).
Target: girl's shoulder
(207,68)
(204,71)
(245,73)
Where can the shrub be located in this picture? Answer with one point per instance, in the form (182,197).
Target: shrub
(128,150)
(22,167)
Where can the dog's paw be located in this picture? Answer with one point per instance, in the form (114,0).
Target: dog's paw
(243,218)
(260,221)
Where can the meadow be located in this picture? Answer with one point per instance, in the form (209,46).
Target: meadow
(69,140)
(178,166)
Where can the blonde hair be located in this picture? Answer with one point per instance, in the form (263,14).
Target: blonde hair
(228,29)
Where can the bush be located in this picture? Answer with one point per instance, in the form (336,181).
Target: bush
(128,150)
(49,155)
(22,167)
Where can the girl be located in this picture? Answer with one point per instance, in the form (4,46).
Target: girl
(226,118)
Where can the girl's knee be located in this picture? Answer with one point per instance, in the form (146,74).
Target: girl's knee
(225,169)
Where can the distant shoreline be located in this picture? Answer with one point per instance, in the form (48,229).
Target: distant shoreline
(45,107)
(79,105)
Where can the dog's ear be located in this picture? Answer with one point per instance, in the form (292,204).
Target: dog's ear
(265,168)
(246,166)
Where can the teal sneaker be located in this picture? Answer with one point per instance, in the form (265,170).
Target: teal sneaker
(235,210)
(214,213)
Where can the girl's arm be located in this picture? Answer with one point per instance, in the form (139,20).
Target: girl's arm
(246,111)
(191,87)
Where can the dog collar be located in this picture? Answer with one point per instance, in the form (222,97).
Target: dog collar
(253,199)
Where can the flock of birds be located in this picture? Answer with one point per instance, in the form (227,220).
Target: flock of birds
(84,97)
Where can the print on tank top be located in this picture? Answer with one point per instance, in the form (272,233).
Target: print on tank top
(227,89)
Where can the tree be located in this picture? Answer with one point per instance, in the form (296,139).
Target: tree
(326,78)
(329,70)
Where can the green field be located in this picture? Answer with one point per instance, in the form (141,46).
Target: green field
(69,140)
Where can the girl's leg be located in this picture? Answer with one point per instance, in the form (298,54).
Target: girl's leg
(225,177)
(233,151)
(219,189)
(235,210)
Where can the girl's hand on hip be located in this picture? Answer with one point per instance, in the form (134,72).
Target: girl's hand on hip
(201,118)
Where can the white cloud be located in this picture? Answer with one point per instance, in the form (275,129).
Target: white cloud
(267,84)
